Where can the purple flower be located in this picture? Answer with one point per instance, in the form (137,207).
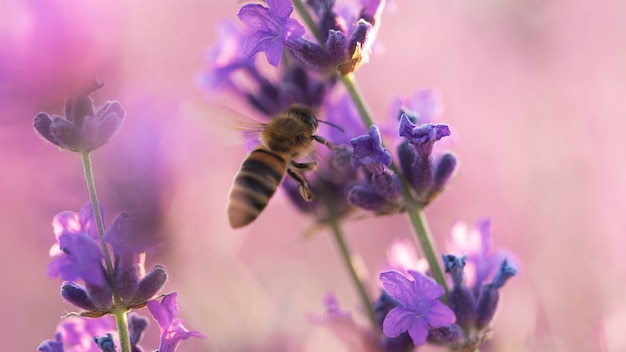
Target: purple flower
(78,256)
(341,323)
(383,192)
(418,309)
(476,244)
(423,137)
(271,26)
(83,129)
(77,334)
(370,153)
(425,175)
(172,330)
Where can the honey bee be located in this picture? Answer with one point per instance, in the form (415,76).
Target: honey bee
(286,137)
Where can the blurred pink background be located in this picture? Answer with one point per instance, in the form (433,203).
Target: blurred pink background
(534,92)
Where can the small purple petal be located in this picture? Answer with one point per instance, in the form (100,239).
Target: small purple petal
(280,8)
(397,321)
(66,133)
(418,332)
(77,295)
(439,315)
(52,346)
(397,286)
(42,124)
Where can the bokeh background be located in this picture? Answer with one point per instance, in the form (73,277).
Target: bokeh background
(534,92)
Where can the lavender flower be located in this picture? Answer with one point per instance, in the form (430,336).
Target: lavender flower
(172,330)
(425,175)
(473,301)
(383,192)
(84,129)
(271,26)
(342,324)
(78,256)
(78,334)
(418,307)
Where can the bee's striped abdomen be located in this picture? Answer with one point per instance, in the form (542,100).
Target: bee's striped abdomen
(254,185)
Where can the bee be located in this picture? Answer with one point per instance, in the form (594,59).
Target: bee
(285,138)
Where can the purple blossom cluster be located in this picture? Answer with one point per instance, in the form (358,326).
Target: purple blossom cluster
(92,281)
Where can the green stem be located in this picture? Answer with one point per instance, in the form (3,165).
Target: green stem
(413,209)
(122,328)
(416,217)
(350,83)
(350,261)
(422,234)
(308,20)
(118,308)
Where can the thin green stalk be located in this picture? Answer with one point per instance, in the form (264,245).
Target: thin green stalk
(418,222)
(416,217)
(118,309)
(349,259)
(350,83)
(122,328)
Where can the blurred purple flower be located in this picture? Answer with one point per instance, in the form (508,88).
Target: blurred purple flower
(476,244)
(271,26)
(341,323)
(419,308)
(83,129)
(77,334)
(78,256)
(77,253)
(172,330)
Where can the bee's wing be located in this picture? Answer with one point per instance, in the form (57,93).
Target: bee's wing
(229,126)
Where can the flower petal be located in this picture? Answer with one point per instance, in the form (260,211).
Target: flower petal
(397,321)
(440,315)
(418,331)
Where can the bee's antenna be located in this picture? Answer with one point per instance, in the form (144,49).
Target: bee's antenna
(331,124)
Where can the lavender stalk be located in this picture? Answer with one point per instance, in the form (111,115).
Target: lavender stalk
(119,310)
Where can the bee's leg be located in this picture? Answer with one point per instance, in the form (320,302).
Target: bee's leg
(305,192)
(304,166)
(323,141)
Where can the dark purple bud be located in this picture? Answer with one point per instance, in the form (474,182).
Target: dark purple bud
(486,306)
(388,186)
(105,343)
(366,197)
(504,273)
(443,170)
(77,295)
(447,335)
(369,152)
(358,36)
(310,54)
(337,47)
(42,123)
(489,295)
(52,346)
(460,298)
(454,266)
(136,327)
(102,296)
(127,274)
(150,285)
